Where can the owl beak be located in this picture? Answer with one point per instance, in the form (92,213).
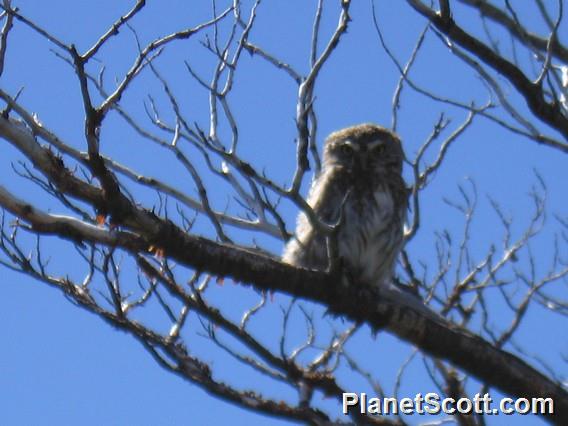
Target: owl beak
(357,164)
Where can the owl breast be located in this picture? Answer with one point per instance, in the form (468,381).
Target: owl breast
(370,236)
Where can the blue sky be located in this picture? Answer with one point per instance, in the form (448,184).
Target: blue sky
(63,365)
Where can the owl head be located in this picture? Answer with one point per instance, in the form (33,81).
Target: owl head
(364,147)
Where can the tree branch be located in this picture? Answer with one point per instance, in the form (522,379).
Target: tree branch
(437,338)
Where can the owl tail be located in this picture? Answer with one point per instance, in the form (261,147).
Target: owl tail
(397,296)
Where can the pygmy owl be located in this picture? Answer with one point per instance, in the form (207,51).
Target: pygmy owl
(361,190)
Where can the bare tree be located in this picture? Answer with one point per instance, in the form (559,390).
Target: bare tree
(151,245)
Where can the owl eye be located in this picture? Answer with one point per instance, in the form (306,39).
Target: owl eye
(346,149)
(379,150)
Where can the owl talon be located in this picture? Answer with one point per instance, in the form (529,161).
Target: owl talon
(336,266)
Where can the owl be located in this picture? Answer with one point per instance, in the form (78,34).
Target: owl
(360,189)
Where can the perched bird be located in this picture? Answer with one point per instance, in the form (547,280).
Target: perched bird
(360,189)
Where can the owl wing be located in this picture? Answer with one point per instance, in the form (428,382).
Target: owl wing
(308,247)
(326,197)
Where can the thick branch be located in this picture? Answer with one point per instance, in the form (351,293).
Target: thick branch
(492,366)
(549,113)
(492,12)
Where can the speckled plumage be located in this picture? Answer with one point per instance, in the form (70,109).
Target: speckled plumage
(363,166)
